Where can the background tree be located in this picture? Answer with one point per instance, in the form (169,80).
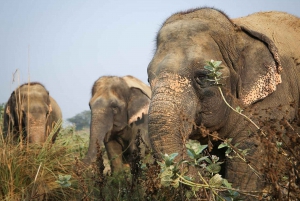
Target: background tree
(81,120)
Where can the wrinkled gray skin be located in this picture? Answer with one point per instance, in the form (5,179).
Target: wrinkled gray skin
(119,108)
(253,51)
(32,110)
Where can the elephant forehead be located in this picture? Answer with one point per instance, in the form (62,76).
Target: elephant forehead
(107,99)
(181,28)
(33,119)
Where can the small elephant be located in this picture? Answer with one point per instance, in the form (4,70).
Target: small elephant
(119,108)
(261,69)
(31,112)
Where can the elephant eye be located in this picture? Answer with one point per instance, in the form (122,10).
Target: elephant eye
(114,108)
(201,78)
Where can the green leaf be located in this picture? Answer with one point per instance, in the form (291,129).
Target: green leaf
(222,145)
(209,68)
(166,177)
(213,168)
(216,181)
(237,144)
(168,162)
(202,158)
(218,74)
(219,68)
(216,63)
(200,149)
(175,183)
(188,178)
(66,184)
(228,151)
(191,154)
(188,194)
(165,181)
(63,180)
(172,156)
(208,160)
(226,183)
(239,109)
(195,147)
(214,158)
(161,164)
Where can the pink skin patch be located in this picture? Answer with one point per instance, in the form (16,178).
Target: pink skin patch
(264,86)
(176,83)
(139,114)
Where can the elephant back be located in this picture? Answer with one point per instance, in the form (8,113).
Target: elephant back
(275,25)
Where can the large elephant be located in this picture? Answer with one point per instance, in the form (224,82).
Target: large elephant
(119,108)
(32,112)
(261,59)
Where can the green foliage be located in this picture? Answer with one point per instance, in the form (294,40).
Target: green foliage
(169,170)
(208,166)
(215,74)
(63,180)
(230,148)
(81,120)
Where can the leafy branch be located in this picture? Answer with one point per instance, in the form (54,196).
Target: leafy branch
(215,76)
(210,166)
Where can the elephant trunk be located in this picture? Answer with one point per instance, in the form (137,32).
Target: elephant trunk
(171,115)
(101,126)
(36,130)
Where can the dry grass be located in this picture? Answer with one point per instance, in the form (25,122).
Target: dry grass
(31,172)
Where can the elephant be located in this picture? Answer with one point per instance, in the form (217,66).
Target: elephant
(32,113)
(260,74)
(119,109)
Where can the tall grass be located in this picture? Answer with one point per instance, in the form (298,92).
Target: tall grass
(32,172)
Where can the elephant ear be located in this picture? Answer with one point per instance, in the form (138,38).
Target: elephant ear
(259,67)
(8,120)
(139,99)
(133,82)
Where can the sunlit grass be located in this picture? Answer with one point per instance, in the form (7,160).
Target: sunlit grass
(32,172)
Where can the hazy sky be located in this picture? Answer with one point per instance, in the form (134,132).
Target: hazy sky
(68,44)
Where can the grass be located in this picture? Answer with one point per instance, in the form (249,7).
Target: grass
(32,172)
(55,172)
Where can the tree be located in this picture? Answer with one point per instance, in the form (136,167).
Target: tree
(81,120)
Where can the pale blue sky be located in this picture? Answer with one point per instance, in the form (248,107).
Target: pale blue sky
(68,44)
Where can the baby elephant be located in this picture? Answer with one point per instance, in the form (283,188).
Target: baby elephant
(31,112)
(119,111)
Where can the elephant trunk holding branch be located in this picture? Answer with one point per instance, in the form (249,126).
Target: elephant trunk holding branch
(32,113)
(119,108)
(260,55)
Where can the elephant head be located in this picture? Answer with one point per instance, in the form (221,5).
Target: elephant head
(31,113)
(119,106)
(183,96)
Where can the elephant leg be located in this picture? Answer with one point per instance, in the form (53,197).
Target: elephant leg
(114,152)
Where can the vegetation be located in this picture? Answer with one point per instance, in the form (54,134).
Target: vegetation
(55,171)
(280,162)
(81,120)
